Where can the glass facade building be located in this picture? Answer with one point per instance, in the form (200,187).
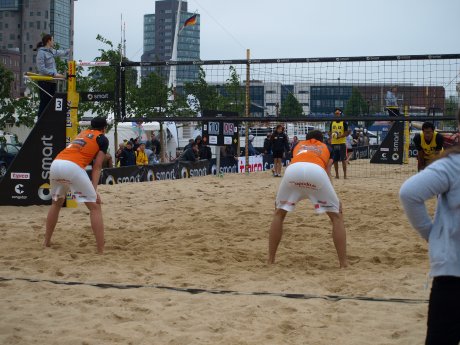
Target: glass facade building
(159,31)
(23,22)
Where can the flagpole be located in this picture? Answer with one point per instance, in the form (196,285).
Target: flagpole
(172,71)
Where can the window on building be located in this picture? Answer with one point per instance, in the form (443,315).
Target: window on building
(44,25)
(46,14)
(304,92)
(31,24)
(1,26)
(39,13)
(6,25)
(31,14)
(12,36)
(38,24)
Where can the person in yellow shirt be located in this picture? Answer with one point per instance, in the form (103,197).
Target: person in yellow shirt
(338,134)
(141,156)
(429,144)
(308,177)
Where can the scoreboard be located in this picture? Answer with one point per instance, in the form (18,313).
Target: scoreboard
(218,132)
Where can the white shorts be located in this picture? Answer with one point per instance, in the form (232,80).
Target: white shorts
(66,175)
(303,180)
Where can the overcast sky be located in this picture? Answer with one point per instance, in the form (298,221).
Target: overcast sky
(284,29)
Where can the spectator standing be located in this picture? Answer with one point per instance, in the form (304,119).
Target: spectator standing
(268,144)
(127,156)
(350,143)
(251,150)
(141,155)
(279,145)
(294,142)
(156,146)
(121,147)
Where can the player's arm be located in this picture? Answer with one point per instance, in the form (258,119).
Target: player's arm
(103,143)
(329,167)
(97,167)
(420,153)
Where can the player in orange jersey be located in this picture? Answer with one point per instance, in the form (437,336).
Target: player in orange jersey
(68,173)
(308,176)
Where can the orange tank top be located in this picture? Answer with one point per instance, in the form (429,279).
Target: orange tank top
(83,149)
(311,151)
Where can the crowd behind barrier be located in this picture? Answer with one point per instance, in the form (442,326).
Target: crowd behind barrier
(183,169)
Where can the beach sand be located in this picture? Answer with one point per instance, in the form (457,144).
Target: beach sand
(212,233)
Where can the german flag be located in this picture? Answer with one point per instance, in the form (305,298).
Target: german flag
(190,21)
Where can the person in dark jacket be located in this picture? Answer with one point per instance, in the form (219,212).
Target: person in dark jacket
(191,154)
(268,144)
(205,150)
(279,145)
(127,156)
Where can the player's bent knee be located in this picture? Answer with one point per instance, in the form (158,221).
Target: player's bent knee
(93,206)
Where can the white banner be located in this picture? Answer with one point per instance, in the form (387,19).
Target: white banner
(256,163)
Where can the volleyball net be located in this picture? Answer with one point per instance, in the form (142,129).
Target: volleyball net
(302,94)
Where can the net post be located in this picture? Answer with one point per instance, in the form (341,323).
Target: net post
(247,112)
(406,136)
(72,117)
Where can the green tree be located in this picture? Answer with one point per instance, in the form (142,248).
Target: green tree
(356,105)
(17,112)
(234,93)
(291,107)
(203,96)
(151,97)
(103,79)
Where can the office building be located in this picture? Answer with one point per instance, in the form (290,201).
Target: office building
(23,22)
(159,31)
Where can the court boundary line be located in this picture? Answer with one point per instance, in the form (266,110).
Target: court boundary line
(194,291)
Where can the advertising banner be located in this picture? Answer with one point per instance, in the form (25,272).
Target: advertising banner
(392,148)
(27,179)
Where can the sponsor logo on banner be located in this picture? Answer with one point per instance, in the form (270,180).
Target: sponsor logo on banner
(213,139)
(228,140)
(47,155)
(20,176)
(19,189)
(256,163)
(44,192)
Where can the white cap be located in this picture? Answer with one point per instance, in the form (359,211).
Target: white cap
(251,137)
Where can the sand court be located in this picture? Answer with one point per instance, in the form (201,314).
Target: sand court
(212,233)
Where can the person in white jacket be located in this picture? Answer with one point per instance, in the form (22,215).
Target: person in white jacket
(440,179)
